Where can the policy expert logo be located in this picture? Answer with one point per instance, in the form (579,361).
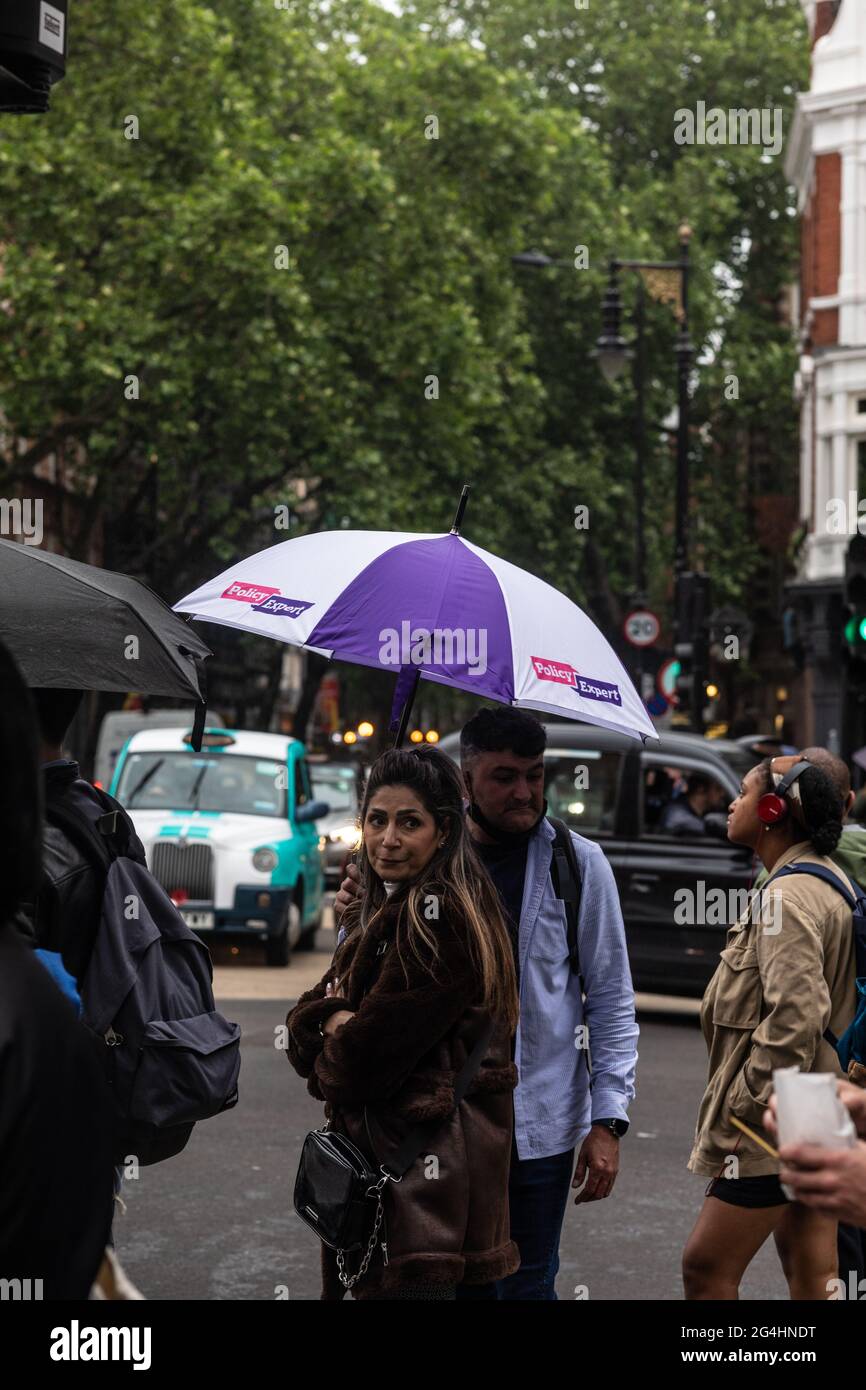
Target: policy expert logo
(561,673)
(264,599)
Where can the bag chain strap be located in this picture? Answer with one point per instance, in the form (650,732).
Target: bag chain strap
(348,1280)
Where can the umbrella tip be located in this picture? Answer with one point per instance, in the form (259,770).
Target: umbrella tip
(461,508)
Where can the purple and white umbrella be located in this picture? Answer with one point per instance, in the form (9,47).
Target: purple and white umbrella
(430,605)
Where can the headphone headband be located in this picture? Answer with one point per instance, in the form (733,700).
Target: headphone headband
(773,806)
(789,778)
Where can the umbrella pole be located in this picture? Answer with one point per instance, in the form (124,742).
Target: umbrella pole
(407,709)
(410,696)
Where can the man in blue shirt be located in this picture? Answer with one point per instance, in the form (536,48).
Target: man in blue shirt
(559,1103)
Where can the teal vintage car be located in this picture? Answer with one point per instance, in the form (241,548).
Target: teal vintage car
(230,832)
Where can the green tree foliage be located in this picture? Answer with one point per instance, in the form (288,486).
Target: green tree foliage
(626,70)
(303,260)
(284,261)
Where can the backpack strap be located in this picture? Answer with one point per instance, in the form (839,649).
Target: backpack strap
(83,833)
(826,876)
(565,873)
(100,840)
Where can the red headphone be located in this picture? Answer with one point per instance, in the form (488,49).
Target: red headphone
(773,807)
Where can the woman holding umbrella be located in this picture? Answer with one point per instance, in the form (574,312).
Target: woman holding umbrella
(423,975)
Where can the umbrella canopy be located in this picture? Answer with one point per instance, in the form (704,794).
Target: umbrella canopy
(436,605)
(71,624)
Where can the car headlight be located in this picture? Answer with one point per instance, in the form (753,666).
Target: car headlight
(264,860)
(349,835)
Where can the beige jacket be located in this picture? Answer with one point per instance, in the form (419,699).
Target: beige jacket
(782,979)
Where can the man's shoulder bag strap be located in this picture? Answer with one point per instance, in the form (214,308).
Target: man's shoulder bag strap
(565,872)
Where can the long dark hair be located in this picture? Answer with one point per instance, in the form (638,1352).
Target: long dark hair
(821,807)
(455,877)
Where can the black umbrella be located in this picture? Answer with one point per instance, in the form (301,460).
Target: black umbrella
(75,625)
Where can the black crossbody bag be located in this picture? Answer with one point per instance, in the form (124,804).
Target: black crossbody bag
(338,1192)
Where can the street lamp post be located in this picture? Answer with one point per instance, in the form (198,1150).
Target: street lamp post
(613,354)
(691,592)
(684,366)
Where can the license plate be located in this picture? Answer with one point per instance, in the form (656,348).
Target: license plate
(197,919)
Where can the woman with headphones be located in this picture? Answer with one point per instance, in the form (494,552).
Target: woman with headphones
(785,976)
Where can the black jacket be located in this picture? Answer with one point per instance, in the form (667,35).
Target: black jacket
(56,1133)
(66,914)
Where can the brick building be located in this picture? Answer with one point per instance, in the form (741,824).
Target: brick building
(826,162)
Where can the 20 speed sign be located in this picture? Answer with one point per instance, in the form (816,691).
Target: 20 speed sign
(641,628)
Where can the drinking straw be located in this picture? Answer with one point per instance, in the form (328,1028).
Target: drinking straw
(774,1153)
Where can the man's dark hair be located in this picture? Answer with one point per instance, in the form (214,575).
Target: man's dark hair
(835,768)
(495,730)
(698,782)
(55,710)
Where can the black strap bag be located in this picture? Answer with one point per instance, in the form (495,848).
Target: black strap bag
(338,1192)
(565,872)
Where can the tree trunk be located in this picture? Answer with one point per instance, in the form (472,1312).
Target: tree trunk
(316,667)
(269,698)
(604,607)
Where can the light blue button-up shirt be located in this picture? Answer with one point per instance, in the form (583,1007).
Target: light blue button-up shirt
(557,1098)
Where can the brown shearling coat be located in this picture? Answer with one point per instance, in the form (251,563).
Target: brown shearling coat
(447,1221)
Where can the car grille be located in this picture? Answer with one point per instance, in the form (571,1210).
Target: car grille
(187,866)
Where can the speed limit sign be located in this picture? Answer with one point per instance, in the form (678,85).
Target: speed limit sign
(641,628)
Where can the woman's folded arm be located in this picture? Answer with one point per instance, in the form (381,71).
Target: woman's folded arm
(370,1057)
(305,1041)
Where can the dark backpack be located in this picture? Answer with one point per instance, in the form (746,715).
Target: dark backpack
(171,1058)
(852,1044)
(565,874)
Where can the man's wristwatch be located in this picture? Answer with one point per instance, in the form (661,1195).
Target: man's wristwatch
(616,1127)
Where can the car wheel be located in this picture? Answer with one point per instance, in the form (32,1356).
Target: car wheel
(308,940)
(278,949)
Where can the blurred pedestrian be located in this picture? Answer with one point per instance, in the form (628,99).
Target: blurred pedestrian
(850,852)
(786,975)
(56,1123)
(850,856)
(67,909)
